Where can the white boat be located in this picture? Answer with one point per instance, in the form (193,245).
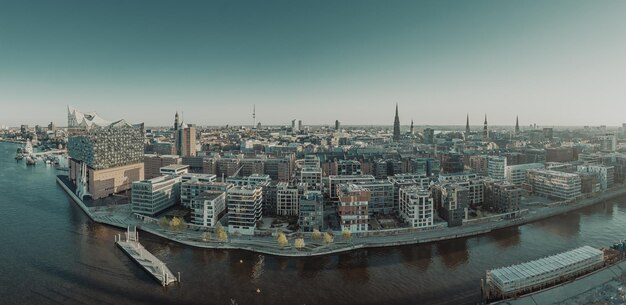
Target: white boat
(28,148)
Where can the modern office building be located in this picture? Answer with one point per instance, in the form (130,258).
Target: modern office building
(196,163)
(252,166)
(312,176)
(452,163)
(502,197)
(450,200)
(548,133)
(416,207)
(311,213)
(384,168)
(149,197)
(174,170)
(352,207)
(495,167)
(381,196)
(164,148)
(207,208)
(311,161)
(152,164)
(516,174)
(288,198)
(554,184)
(279,169)
(192,185)
(608,142)
(252,180)
(560,154)
(227,167)
(475,191)
(429,136)
(185,138)
(335,181)
(478,164)
(605,174)
(407,180)
(348,167)
(426,166)
(244,208)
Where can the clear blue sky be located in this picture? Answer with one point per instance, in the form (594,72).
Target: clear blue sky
(550,62)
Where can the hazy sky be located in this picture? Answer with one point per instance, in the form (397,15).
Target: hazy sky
(550,62)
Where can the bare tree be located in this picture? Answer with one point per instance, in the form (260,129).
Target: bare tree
(328,237)
(163,222)
(316,235)
(221,232)
(346,234)
(299,243)
(282,239)
(206,236)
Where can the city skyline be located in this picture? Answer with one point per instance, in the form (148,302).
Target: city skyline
(552,64)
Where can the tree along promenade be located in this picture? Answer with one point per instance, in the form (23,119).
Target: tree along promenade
(121,216)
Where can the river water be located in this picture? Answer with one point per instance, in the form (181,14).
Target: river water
(51,253)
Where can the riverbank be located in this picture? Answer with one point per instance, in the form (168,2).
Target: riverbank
(121,216)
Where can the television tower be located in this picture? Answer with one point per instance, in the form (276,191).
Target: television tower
(254,116)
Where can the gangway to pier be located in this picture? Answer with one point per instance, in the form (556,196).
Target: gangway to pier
(50,152)
(155,267)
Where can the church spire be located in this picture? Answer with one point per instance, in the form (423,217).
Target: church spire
(485,130)
(176,121)
(396,126)
(412,130)
(516,124)
(467,128)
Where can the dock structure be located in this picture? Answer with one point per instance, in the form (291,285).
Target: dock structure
(155,267)
(513,281)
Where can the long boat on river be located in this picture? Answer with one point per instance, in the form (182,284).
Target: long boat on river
(518,280)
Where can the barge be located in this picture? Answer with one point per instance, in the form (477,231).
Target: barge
(518,280)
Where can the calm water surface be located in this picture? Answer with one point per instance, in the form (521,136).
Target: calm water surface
(51,253)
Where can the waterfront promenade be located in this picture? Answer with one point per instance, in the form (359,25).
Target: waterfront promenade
(121,216)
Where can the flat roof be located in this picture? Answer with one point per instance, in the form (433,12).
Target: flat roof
(544,265)
(175,166)
(553,172)
(209,195)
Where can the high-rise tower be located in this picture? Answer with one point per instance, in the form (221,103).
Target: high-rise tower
(396,126)
(485,131)
(253,116)
(176,121)
(517,125)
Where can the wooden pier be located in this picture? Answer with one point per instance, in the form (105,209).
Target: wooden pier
(155,267)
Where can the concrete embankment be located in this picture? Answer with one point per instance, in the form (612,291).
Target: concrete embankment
(267,246)
(77,200)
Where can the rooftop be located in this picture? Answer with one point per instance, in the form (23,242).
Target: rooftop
(544,265)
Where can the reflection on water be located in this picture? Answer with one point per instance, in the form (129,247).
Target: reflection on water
(417,257)
(353,267)
(310,267)
(566,225)
(257,270)
(453,252)
(507,237)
